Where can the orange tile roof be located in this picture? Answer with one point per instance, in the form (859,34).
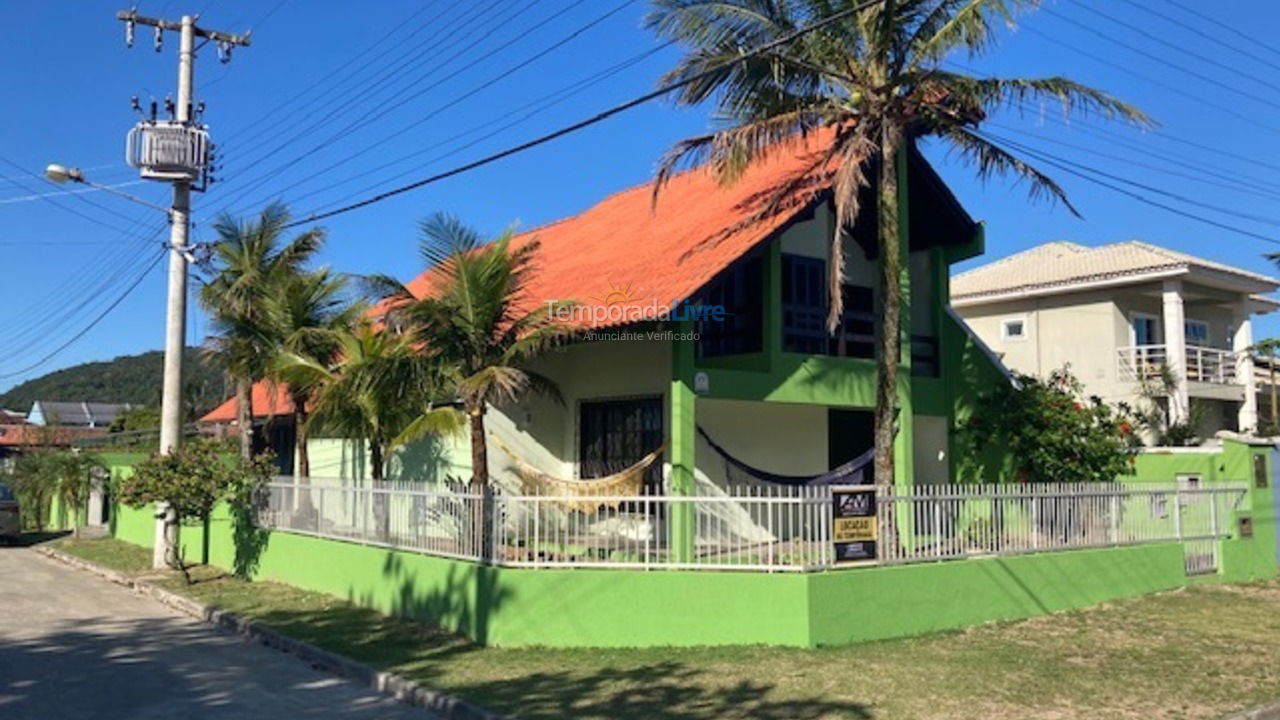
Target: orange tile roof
(260,401)
(630,254)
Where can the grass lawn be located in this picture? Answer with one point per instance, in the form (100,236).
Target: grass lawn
(108,552)
(1193,653)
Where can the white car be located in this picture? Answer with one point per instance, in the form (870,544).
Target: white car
(10,519)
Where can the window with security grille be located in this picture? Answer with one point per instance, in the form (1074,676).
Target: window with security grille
(613,435)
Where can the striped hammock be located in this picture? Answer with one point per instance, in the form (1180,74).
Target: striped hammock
(627,482)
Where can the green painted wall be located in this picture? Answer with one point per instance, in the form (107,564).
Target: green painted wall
(876,603)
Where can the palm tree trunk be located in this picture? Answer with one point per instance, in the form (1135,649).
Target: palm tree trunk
(244,416)
(476,534)
(889,331)
(381,500)
(479,449)
(301,460)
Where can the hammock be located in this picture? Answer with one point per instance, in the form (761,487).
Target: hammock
(627,482)
(853,472)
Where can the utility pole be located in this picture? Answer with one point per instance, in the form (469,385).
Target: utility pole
(177,151)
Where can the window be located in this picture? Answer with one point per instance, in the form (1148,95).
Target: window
(1013,329)
(740,290)
(1146,329)
(1196,332)
(804,305)
(616,434)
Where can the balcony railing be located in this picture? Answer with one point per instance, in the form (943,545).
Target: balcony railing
(1202,364)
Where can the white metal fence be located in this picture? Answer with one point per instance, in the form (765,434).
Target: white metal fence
(782,529)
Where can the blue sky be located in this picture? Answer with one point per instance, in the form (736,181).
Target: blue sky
(70,78)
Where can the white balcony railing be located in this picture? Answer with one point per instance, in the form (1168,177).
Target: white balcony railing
(1201,364)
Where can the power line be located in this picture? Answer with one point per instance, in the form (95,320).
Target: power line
(55,193)
(92,324)
(1214,21)
(534,107)
(598,117)
(1064,165)
(1163,61)
(1178,48)
(342,133)
(257,128)
(1199,32)
(1236,186)
(1180,92)
(516,67)
(388,74)
(1159,133)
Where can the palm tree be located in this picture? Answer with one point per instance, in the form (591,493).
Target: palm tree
(249,265)
(304,309)
(875,80)
(375,386)
(1270,348)
(475,324)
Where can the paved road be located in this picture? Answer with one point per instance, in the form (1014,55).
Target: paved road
(73,645)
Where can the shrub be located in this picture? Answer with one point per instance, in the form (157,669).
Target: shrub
(192,481)
(1052,432)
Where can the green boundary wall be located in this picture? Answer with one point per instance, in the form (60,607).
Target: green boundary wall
(515,607)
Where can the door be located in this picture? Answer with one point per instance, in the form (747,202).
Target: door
(850,433)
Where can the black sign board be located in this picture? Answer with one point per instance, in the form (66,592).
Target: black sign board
(853,522)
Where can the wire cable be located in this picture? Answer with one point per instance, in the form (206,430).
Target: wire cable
(92,324)
(598,117)
(490,82)
(1064,166)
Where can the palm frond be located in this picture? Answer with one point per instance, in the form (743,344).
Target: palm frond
(989,159)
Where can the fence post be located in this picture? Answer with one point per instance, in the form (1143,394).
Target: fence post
(1035,522)
(1177,513)
(1115,519)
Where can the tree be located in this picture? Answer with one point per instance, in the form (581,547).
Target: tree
(136,419)
(1051,432)
(250,266)
(874,79)
(375,386)
(304,309)
(473,324)
(1270,348)
(192,480)
(40,476)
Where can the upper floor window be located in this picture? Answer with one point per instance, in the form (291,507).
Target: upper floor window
(740,291)
(1197,333)
(1013,329)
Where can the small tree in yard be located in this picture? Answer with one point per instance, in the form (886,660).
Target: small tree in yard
(192,480)
(1052,431)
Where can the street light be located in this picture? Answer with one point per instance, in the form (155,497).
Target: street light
(61,174)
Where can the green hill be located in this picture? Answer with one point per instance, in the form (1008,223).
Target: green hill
(128,378)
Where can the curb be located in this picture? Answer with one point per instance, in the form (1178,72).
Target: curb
(399,687)
(1270,711)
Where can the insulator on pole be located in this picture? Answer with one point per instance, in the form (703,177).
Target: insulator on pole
(128,33)
(159,38)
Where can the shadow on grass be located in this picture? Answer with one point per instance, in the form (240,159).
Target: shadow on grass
(658,691)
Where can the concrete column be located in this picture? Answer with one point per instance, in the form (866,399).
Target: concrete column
(1175,343)
(1242,344)
(682,481)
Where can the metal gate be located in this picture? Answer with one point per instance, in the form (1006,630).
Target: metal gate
(1203,517)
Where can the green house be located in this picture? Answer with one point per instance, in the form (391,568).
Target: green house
(706,309)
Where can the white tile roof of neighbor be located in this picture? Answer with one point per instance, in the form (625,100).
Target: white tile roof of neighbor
(1064,264)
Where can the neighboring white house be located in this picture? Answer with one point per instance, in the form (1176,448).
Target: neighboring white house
(1116,314)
